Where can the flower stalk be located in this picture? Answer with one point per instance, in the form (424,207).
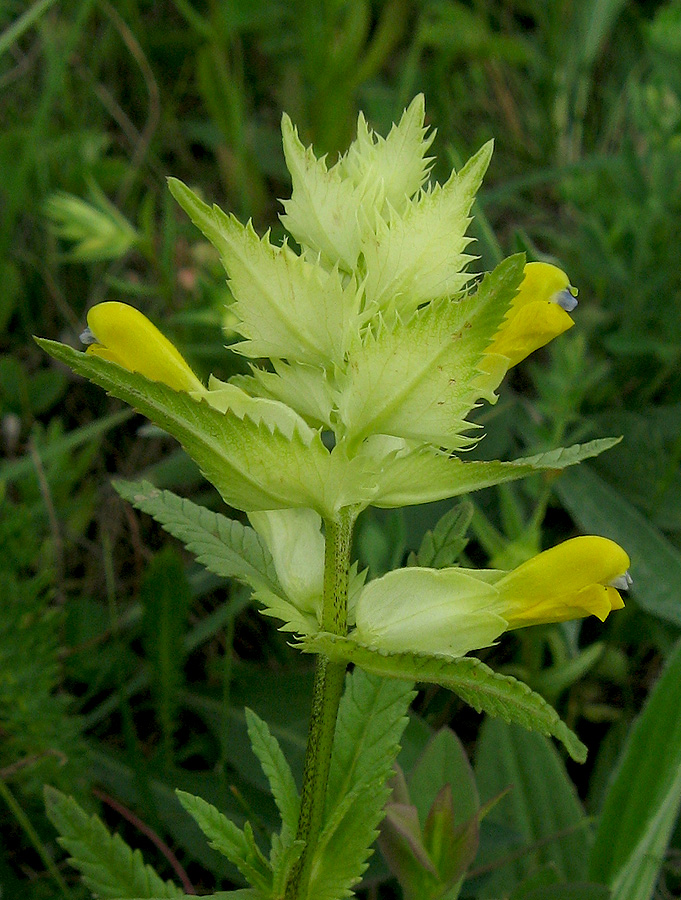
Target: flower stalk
(327,691)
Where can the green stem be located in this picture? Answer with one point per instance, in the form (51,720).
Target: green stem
(327,691)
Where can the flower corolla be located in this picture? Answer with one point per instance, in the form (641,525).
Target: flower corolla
(451,611)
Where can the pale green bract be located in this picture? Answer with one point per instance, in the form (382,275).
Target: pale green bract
(342,320)
(379,351)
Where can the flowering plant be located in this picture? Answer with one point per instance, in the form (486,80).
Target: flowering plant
(381,341)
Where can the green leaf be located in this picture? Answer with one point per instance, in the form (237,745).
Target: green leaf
(294,619)
(431,832)
(227,838)
(422,476)
(307,389)
(342,846)
(371,719)
(278,773)
(483,689)
(655,562)
(252,466)
(287,306)
(110,868)
(444,761)
(443,545)
(401,844)
(420,377)
(224,546)
(283,858)
(542,805)
(642,803)
(166,597)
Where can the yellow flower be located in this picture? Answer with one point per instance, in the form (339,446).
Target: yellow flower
(577,578)
(538,313)
(123,335)
(452,611)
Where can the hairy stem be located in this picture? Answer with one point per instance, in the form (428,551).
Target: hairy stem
(328,687)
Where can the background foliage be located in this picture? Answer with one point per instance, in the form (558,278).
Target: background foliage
(124,666)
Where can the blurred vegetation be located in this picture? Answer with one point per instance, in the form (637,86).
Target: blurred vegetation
(124,667)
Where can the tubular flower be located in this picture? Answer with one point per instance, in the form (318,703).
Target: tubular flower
(452,611)
(575,579)
(123,335)
(537,314)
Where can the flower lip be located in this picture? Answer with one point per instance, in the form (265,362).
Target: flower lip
(566,300)
(88,337)
(622,582)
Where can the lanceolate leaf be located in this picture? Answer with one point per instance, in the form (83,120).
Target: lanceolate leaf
(424,475)
(398,161)
(370,722)
(224,546)
(307,389)
(541,807)
(283,857)
(643,801)
(444,761)
(110,868)
(485,690)
(278,773)
(371,719)
(224,836)
(443,545)
(251,466)
(326,212)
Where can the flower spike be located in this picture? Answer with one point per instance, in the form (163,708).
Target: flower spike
(369,348)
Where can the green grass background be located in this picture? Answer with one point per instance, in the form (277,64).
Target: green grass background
(124,668)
